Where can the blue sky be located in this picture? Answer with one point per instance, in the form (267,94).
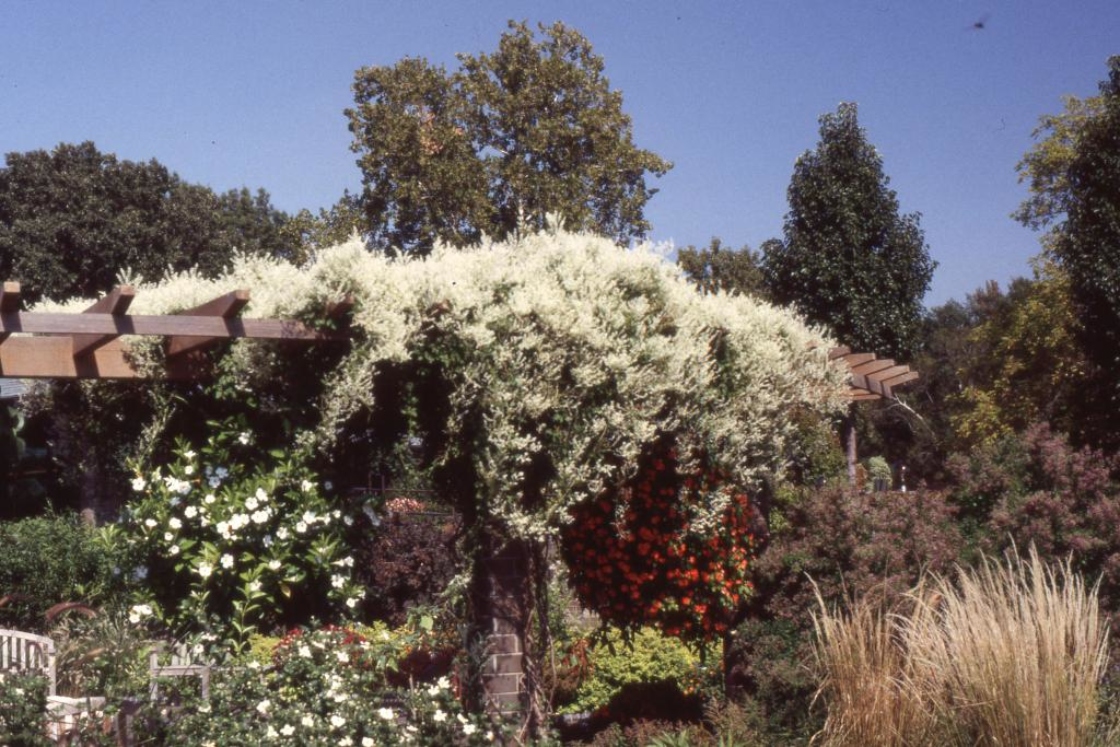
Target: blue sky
(251,93)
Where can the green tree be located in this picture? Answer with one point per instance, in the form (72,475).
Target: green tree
(848,260)
(73,218)
(1074,176)
(717,268)
(532,130)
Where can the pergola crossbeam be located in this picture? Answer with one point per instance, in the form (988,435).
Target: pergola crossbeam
(87,345)
(115,304)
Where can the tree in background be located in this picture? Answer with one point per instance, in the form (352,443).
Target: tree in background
(1074,175)
(717,268)
(511,137)
(73,218)
(848,260)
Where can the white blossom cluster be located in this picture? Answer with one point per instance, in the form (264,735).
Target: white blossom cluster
(580,353)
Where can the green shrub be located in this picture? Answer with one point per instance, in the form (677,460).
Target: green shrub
(51,559)
(329,686)
(23,703)
(648,658)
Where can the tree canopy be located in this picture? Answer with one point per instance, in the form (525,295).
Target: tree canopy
(509,138)
(718,268)
(73,218)
(849,260)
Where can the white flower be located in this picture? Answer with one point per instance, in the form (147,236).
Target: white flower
(444,683)
(138,612)
(261,496)
(439,716)
(368,741)
(254,586)
(262,516)
(343,657)
(243,438)
(337,721)
(271,733)
(352,602)
(209,499)
(306,486)
(469,729)
(386,714)
(139,484)
(301,527)
(262,707)
(287,730)
(188,470)
(188,454)
(282,533)
(274,565)
(190,512)
(304,651)
(175,523)
(309,517)
(338,581)
(307,720)
(251,503)
(205,569)
(150,523)
(227,560)
(173,550)
(168,536)
(223,528)
(345,742)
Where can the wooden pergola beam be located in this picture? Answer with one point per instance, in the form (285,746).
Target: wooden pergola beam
(115,304)
(225,308)
(9,302)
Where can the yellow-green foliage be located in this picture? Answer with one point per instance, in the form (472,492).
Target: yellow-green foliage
(648,657)
(581,353)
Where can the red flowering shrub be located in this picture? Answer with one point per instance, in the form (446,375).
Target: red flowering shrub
(652,552)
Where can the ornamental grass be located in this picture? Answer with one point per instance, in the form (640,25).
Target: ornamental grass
(1009,654)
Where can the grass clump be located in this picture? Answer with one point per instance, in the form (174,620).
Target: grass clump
(1009,654)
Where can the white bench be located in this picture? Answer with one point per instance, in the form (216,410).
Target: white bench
(28,652)
(180,661)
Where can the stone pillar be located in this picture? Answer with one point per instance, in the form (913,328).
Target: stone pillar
(504,617)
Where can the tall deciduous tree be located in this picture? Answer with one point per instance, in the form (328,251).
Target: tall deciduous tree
(849,260)
(717,268)
(73,218)
(511,137)
(1074,176)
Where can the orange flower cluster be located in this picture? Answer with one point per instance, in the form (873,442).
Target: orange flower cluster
(640,556)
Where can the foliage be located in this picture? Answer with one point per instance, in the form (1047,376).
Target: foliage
(102,651)
(848,259)
(1007,654)
(1036,490)
(326,686)
(23,705)
(407,559)
(530,130)
(1074,172)
(73,218)
(716,268)
(50,559)
(654,552)
(839,543)
(1032,368)
(236,543)
(616,661)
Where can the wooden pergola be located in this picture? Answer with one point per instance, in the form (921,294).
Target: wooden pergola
(871,377)
(89,345)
